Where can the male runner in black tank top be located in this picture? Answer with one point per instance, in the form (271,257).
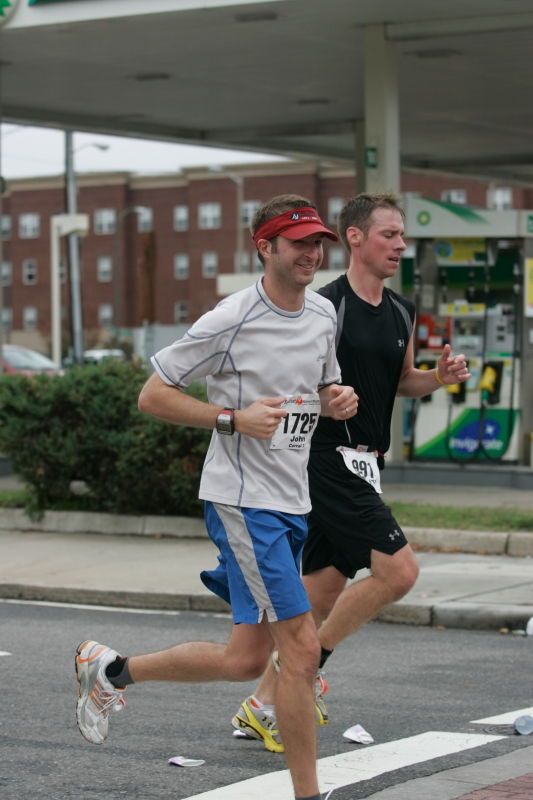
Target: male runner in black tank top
(350,528)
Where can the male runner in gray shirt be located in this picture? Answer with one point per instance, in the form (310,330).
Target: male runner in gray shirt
(268,354)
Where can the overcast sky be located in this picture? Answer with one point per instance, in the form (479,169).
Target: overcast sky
(28,152)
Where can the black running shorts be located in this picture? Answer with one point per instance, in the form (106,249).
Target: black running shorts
(349,519)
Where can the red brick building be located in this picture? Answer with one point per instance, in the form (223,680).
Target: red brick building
(157,244)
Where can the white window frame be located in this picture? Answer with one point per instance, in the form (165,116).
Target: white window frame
(6,318)
(335,205)
(145,219)
(248,209)
(104,269)
(242,261)
(209,264)
(181,311)
(209,216)
(457,196)
(6,226)
(500,198)
(181,217)
(29,268)
(6,273)
(105,315)
(30,318)
(105,221)
(29,225)
(181,266)
(336,258)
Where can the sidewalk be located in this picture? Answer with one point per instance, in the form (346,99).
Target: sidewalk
(474,580)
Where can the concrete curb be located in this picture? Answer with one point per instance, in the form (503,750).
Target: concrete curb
(15,519)
(156,601)
(75,522)
(466,616)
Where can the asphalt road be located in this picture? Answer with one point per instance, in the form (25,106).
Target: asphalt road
(397,681)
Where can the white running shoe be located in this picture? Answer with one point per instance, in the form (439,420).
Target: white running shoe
(97,695)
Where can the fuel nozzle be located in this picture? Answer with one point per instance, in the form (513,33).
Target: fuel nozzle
(490,382)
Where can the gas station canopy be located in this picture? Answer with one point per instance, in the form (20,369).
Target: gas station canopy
(285,76)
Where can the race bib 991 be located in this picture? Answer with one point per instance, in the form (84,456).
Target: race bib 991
(364,465)
(295,430)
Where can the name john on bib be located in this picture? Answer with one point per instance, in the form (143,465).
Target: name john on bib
(295,430)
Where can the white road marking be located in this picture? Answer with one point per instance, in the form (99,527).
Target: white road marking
(353,766)
(5,653)
(114,609)
(503,719)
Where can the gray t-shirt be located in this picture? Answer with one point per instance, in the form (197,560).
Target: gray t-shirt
(247,349)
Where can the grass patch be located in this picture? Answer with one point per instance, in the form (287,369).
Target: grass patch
(414,515)
(418,515)
(14,498)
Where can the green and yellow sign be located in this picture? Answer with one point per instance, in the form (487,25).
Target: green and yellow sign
(6,9)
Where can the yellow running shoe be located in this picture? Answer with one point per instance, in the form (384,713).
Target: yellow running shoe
(257,723)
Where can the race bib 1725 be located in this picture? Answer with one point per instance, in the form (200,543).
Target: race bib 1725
(295,430)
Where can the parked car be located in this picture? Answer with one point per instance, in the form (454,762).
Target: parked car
(19,360)
(99,355)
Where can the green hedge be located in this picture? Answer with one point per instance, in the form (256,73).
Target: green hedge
(85,426)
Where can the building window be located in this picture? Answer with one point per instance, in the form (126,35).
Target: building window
(29,226)
(6,273)
(181,311)
(105,221)
(145,219)
(242,262)
(181,266)
(105,315)
(334,209)
(5,226)
(104,269)
(209,216)
(29,318)
(248,209)
(257,266)
(7,318)
(181,218)
(29,272)
(209,264)
(336,258)
(500,198)
(457,196)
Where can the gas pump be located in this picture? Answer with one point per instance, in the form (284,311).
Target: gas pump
(480,287)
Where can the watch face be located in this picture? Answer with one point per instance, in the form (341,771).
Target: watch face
(225,423)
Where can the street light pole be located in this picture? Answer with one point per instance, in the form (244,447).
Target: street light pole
(60,225)
(73,245)
(73,252)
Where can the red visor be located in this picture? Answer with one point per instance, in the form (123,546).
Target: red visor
(294,224)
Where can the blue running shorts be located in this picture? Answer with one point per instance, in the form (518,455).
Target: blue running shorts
(259,562)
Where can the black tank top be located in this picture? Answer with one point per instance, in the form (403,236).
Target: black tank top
(371,346)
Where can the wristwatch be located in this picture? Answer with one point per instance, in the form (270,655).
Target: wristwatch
(225,423)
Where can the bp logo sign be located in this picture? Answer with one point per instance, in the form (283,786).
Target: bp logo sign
(423,218)
(6,9)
